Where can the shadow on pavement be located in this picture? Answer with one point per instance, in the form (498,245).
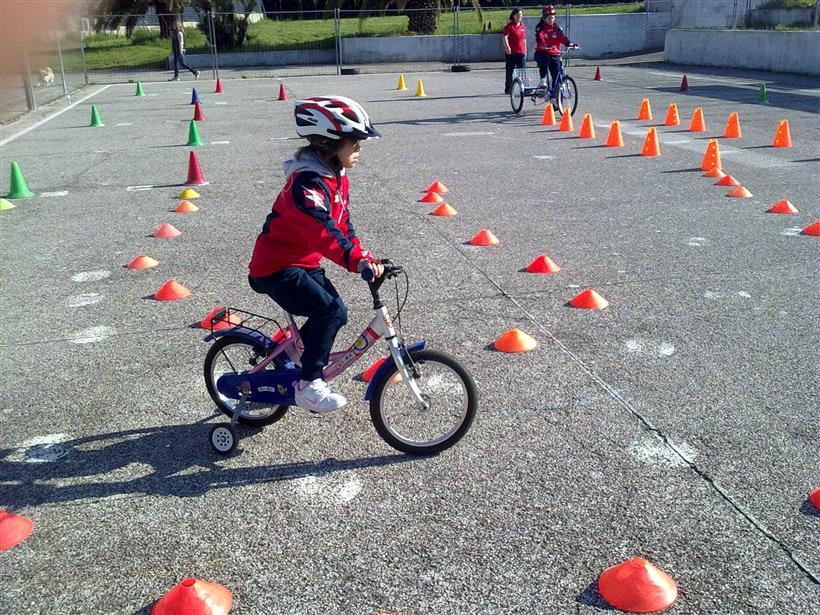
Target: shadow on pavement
(591,597)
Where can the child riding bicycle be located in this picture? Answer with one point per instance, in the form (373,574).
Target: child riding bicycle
(548,40)
(310,220)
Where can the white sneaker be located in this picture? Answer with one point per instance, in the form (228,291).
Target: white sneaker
(316,396)
(196,75)
(542,83)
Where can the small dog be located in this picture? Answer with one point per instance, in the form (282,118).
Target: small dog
(46,77)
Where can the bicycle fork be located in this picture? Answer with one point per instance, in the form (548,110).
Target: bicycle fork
(410,381)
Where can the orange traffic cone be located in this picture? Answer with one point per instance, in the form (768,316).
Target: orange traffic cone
(443,210)
(732,130)
(232,320)
(715,172)
(684,84)
(543,264)
(589,300)
(431,197)
(194,597)
(171,291)
(566,123)
(218,89)
(142,262)
(199,116)
(645,112)
(283,95)
(814,497)
(697,124)
(615,139)
(783,206)
(166,231)
(597,76)
(484,238)
(650,144)
(783,138)
(637,586)
(672,118)
(438,188)
(812,229)
(740,193)
(587,129)
(711,157)
(515,340)
(186,207)
(548,119)
(195,177)
(14,529)
(727,180)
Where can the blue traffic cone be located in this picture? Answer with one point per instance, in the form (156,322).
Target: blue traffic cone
(194,97)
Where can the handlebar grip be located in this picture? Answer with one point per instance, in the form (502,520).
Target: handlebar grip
(367,274)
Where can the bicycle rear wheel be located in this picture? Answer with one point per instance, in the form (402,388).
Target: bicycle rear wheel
(567,97)
(447,388)
(517,95)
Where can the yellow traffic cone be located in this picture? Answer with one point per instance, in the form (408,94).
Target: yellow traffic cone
(420,88)
(402,85)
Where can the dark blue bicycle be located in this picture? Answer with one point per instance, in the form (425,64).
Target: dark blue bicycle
(527,84)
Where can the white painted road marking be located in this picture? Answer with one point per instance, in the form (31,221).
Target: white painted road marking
(124,124)
(49,194)
(466,134)
(139,188)
(91,335)
(220,142)
(91,276)
(83,299)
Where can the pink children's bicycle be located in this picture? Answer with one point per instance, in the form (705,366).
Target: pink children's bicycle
(421,401)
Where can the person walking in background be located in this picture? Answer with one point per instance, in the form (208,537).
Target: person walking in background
(178,49)
(514,37)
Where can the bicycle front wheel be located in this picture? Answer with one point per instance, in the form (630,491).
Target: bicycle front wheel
(517,95)
(567,96)
(445,386)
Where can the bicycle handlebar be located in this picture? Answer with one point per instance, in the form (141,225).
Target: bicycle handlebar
(391,270)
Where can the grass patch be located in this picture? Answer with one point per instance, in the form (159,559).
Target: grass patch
(788,4)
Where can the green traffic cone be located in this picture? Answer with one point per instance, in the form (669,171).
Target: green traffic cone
(18,189)
(761,95)
(193,135)
(95,118)
(139,89)
(4,205)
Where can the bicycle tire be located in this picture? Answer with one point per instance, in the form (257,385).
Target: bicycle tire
(517,95)
(567,96)
(218,352)
(427,360)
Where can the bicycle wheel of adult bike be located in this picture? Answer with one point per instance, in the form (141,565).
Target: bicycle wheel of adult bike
(517,95)
(234,355)
(567,96)
(447,388)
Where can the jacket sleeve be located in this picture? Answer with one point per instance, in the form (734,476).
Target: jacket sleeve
(563,37)
(312,198)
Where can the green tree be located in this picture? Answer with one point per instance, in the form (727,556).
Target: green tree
(421,14)
(230,29)
(111,14)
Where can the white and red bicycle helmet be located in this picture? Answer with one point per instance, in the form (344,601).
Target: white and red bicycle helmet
(333,117)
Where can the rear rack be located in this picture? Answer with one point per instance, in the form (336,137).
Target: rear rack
(234,317)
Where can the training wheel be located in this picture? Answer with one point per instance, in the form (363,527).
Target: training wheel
(223,438)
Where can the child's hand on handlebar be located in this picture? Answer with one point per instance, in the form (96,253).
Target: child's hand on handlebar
(376,268)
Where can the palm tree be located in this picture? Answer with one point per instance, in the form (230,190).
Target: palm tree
(111,14)
(229,29)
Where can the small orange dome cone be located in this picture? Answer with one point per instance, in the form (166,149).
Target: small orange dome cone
(740,193)
(218,89)
(697,124)
(438,188)
(715,173)
(14,529)
(232,320)
(727,180)
(543,264)
(637,586)
(548,119)
(814,497)
(732,130)
(186,207)
(515,340)
(431,197)
(484,238)
(171,291)
(711,157)
(812,229)
(645,112)
(589,300)
(783,206)
(443,210)
(194,597)
(142,262)
(615,139)
(166,231)
(587,129)
(650,144)
(367,375)
(783,137)
(566,123)
(672,118)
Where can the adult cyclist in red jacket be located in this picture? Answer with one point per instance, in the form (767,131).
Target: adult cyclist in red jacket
(548,40)
(310,220)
